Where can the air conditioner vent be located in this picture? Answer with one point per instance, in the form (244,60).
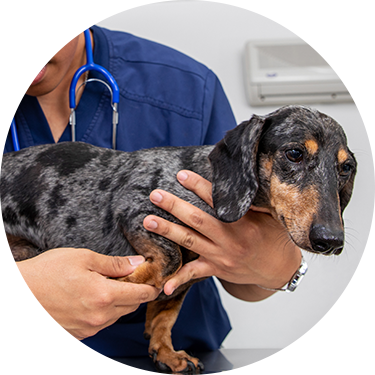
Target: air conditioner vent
(290,72)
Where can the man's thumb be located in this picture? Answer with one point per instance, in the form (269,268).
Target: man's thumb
(115,266)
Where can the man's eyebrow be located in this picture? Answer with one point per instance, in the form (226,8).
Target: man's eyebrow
(17,6)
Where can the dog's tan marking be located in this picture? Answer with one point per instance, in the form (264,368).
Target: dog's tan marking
(342,156)
(265,167)
(311,146)
(295,207)
(151,271)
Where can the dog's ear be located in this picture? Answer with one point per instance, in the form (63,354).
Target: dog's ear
(346,192)
(234,170)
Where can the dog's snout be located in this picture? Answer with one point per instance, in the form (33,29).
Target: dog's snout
(326,240)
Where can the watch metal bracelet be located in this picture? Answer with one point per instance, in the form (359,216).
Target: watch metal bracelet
(292,284)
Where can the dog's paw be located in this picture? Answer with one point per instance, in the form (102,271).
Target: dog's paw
(169,361)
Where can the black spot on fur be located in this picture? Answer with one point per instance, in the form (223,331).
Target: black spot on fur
(104,184)
(144,190)
(155,182)
(106,158)
(121,181)
(24,183)
(70,221)
(26,189)
(108,222)
(29,211)
(67,157)
(10,216)
(56,200)
(187,155)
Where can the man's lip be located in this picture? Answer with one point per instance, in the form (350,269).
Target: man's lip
(33,78)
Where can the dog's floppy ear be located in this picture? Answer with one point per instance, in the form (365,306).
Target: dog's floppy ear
(234,170)
(346,192)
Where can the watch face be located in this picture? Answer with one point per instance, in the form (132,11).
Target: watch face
(298,276)
(295,282)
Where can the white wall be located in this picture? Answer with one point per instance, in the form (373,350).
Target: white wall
(215,34)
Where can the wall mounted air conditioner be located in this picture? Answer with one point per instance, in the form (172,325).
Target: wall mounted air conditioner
(290,72)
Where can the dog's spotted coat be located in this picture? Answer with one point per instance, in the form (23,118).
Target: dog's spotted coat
(294,161)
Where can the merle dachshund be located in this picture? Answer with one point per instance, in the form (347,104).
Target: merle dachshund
(294,161)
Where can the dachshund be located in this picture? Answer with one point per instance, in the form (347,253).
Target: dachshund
(294,161)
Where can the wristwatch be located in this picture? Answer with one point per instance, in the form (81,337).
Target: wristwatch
(296,279)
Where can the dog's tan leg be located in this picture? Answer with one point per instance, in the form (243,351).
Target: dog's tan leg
(147,273)
(163,260)
(160,318)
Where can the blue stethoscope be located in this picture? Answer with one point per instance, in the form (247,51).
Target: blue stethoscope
(111,84)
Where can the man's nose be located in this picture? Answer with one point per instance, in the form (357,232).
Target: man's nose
(13,54)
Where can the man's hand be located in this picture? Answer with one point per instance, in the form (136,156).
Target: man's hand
(255,250)
(73,286)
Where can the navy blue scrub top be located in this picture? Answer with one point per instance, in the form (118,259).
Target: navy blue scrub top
(166,99)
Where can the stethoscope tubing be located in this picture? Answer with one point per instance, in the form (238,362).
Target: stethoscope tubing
(91,66)
(111,84)
(12,119)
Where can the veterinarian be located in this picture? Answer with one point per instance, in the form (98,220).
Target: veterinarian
(167,99)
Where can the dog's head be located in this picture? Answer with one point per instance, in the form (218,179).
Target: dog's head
(295,162)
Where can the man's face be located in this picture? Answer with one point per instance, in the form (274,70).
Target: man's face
(39,42)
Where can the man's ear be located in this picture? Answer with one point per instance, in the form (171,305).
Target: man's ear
(234,170)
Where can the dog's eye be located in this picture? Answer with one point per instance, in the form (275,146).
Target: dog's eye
(345,169)
(294,155)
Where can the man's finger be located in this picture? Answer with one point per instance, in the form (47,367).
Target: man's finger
(190,271)
(197,184)
(179,234)
(126,294)
(192,216)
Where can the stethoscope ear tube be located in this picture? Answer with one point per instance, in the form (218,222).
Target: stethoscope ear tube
(12,119)
(111,85)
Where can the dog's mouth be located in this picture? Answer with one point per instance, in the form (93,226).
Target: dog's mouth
(327,252)
(317,238)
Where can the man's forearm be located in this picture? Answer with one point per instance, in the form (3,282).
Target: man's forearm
(249,293)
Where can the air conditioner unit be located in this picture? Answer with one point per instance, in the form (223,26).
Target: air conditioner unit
(290,72)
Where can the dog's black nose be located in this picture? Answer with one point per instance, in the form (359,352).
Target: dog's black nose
(326,240)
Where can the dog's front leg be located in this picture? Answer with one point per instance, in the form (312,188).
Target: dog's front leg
(161,317)
(163,260)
